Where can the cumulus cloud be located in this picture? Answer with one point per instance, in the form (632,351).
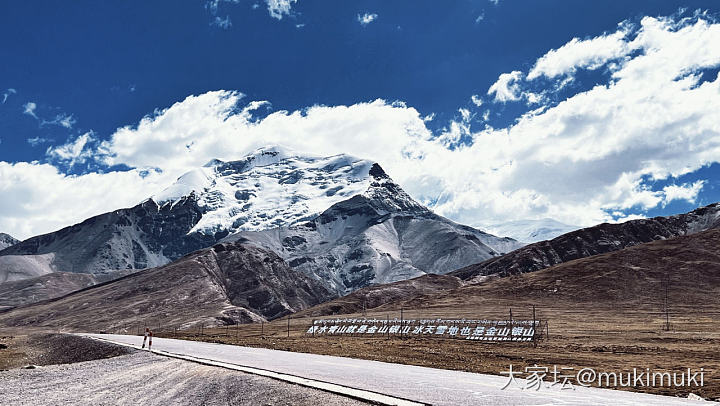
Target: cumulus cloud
(686,191)
(40,198)
(589,54)
(367,18)
(506,88)
(476,100)
(280,8)
(217,125)
(595,156)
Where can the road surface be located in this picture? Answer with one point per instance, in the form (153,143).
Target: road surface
(421,384)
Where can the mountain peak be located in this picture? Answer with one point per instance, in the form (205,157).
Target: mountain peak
(7,240)
(270,187)
(377,172)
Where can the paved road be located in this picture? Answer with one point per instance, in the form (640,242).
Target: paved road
(428,385)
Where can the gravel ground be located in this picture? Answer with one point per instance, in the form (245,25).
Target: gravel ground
(143,378)
(50,349)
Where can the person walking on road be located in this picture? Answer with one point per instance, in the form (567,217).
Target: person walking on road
(148,333)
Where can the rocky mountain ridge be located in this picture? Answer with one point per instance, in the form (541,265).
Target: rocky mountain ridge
(590,241)
(7,240)
(228,283)
(379,236)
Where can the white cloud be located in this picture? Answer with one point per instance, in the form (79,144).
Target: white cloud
(213,5)
(276,8)
(593,157)
(366,18)
(686,191)
(506,88)
(35,141)
(62,120)
(212,125)
(280,8)
(73,152)
(39,199)
(7,94)
(29,109)
(476,100)
(223,23)
(480,17)
(589,54)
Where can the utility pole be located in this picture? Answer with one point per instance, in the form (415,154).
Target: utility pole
(667,310)
(534,327)
(533,316)
(511,325)
(288,327)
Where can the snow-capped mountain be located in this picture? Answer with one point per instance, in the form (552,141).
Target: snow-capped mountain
(530,231)
(358,226)
(269,188)
(7,240)
(379,236)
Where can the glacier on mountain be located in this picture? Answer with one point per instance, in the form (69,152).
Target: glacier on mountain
(269,188)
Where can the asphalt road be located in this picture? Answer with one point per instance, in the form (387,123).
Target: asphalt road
(427,385)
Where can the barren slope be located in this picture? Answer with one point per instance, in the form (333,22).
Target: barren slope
(226,284)
(594,240)
(377,295)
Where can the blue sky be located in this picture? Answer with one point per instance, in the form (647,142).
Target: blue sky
(86,68)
